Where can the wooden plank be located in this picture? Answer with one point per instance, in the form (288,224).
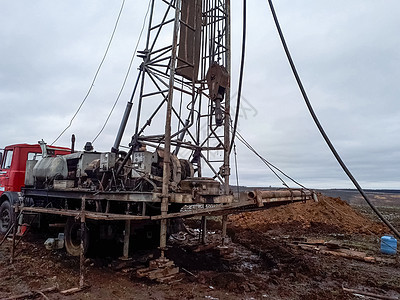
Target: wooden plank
(89,215)
(219,210)
(74,290)
(349,255)
(78,193)
(308,247)
(31,294)
(314,242)
(104,216)
(373,295)
(54,211)
(166,279)
(346,253)
(155,264)
(162,273)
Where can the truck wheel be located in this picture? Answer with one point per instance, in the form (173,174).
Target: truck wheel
(6,217)
(72,237)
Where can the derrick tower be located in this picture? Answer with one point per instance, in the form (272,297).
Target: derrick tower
(183,97)
(183,85)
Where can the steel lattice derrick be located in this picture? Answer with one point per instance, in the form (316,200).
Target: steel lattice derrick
(184,38)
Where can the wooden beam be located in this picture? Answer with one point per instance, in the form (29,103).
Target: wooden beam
(89,215)
(33,293)
(373,295)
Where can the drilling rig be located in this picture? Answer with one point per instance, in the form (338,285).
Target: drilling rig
(179,149)
(184,89)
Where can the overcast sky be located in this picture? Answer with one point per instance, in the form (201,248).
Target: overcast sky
(347,53)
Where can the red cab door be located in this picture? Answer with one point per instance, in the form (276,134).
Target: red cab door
(5,170)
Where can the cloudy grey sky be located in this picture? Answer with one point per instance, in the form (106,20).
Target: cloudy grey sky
(346,51)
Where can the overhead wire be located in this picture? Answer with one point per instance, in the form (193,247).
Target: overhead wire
(241,71)
(127,74)
(236,170)
(274,169)
(320,128)
(95,75)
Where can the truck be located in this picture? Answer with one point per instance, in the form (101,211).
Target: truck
(121,194)
(53,180)
(119,201)
(13,160)
(179,153)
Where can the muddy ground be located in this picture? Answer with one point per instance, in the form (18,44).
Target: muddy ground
(266,264)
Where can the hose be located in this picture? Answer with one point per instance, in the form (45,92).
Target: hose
(321,129)
(240,76)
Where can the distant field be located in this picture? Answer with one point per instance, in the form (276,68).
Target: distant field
(377,197)
(387,202)
(351,196)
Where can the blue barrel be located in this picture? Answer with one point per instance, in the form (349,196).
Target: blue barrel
(388,245)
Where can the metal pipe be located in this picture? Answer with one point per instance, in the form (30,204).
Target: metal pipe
(224,227)
(125,118)
(203,230)
(167,141)
(227,99)
(278,194)
(160,27)
(143,68)
(187,125)
(73,143)
(82,254)
(15,213)
(127,234)
(180,138)
(122,127)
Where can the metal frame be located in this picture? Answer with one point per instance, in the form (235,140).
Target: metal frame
(257,200)
(183,105)
(167,86)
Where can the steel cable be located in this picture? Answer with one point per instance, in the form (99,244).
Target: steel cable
(236,170)
(239,94)
(268,164)
(127,74)
(95,75)
(321,129)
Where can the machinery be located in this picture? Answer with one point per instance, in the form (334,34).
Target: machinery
(179,151)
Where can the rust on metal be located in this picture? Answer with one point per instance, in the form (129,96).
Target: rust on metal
(190,39)
(217,81)
(82,254)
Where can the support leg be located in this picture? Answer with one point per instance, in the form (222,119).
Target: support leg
(82,254)
(15,213)
(203,230)
(224,225)
(127,234)
(143,209)
(163,237)
(163,228)
(20,222)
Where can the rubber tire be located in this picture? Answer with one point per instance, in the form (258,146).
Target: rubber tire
(72,239)
(6,217)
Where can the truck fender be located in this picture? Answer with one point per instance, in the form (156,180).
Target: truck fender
(13,197)
(7,200)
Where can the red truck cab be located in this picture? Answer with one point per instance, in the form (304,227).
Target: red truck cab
(12,175)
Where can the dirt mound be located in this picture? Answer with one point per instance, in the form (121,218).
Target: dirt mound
(329,215)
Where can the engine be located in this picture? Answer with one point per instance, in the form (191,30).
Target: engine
(142,171)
